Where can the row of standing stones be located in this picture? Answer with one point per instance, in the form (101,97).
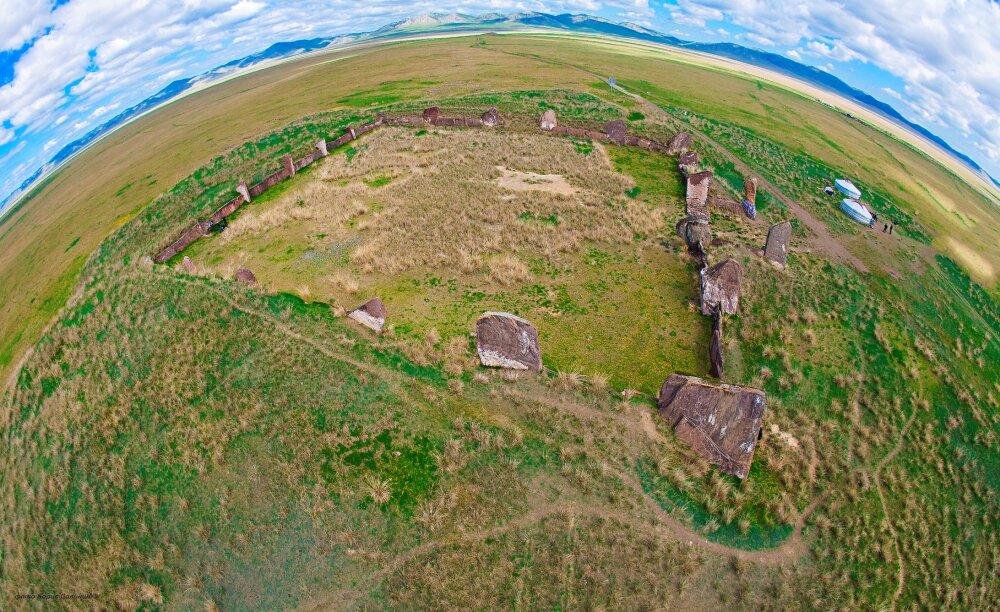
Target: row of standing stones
(720,422)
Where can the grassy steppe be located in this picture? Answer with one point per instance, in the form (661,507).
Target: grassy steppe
(179,440)
(44,244)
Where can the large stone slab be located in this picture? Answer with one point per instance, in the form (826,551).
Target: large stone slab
(721,285)
(680,143)
(696,232)
(371,314)
(244,275)
(548,120)
(504,340)
(431,114)
(778,238)
(697,193)
(719,422)
(491,118)
(688,162)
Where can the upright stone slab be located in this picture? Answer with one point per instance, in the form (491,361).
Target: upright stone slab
(680,143)
(778,237)
(616,131)
(491,118)
(188,265)
(430,115)
(289,165)
(244,191)
(504,340)
(548,120)
(720,288)
(371,314)
(719,422)
(321,146)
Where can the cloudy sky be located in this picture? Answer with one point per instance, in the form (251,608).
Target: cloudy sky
(66,66)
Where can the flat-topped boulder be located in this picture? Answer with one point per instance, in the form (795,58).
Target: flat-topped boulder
(548,120)
(720,287)
(504,340)
(616,131)
(688,162)
(696,233)
(778,238)
(697,193)
(244,275)
(431,114)
(680,143)
(719,422)
(371,314)
(491,118)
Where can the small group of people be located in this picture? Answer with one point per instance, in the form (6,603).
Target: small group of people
(886,227)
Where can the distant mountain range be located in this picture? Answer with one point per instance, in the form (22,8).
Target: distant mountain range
(456,22)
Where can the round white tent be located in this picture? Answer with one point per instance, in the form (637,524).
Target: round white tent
(856,210)
(847,188)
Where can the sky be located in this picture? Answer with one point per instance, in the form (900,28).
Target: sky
(66,66)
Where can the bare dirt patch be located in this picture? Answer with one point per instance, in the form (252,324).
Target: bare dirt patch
(531,181)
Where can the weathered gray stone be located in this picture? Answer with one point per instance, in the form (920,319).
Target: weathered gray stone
(680,143)
(244,275)
(491,118)
(616,131)
(778,238)
(548,120)
(289,164)
(188,264)
(244,191)
(750,190)
(720,287)
(719,422)
(507,341)
(371,314)
(696,232)
(321,146)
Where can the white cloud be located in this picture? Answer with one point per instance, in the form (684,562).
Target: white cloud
(22,20)
(103,110)
(50,144)
(6,135)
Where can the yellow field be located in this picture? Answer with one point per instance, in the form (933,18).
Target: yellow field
(44,244)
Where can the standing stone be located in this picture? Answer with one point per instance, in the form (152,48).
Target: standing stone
(720,288)
(244,191)
(750,190)
(371,314)
(616,131)
(431,115)
(244,275)
(289,164)
(778,238)
(507,341)
(491,118)
(321,145)
(548,120)
(688,162)
(188,265)
(715,354)
(680,143)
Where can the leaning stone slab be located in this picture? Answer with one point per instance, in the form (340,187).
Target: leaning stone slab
(548,120)
(716,356)
(507,341)
(720,288)
(778,237)
(430,115)
(371,314)
(719,422)
(188,265)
